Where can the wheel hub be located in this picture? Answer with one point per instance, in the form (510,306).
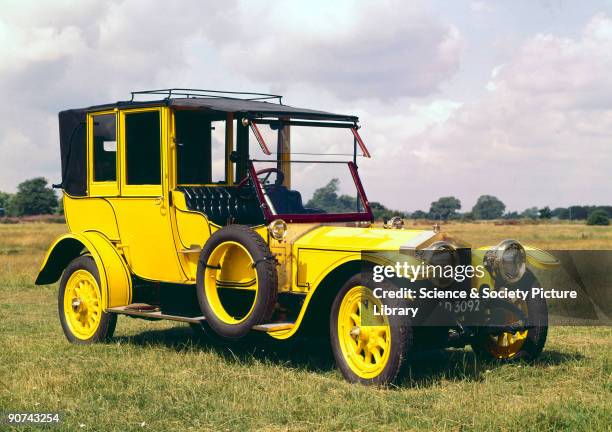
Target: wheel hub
(77,304)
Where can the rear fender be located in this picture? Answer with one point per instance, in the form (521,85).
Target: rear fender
(115,278)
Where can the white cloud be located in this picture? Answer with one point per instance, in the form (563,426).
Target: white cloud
(62,55)
(387,50)
(540,135)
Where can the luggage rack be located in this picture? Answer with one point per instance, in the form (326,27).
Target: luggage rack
(208,94)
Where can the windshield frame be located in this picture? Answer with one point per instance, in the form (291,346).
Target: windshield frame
(365,216)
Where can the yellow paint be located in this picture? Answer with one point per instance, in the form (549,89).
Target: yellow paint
(540,259)
(85,213)
(193,227)
(152,191)
(508,345)
(82,304)
(284,154)
(147,231)
(229,266)
(106,188)
(358,239)
(147,238)
(365,347)
(115,280)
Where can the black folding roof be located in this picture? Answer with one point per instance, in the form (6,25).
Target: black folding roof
(73,136)
(252,105)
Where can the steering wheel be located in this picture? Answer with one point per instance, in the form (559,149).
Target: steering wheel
(280,177)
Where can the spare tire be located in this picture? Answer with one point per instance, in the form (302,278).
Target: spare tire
(236,281)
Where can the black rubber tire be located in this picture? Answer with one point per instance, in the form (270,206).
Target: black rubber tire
(401,337)
(537,314)
(265,266)
(108,321)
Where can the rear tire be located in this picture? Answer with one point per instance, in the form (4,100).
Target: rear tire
(80,304)
(370,352)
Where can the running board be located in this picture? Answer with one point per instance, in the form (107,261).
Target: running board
(155,314)
(273,327)
(141,312)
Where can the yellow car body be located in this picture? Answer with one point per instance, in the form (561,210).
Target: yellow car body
(148,234)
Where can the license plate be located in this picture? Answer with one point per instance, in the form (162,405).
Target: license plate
(462,306)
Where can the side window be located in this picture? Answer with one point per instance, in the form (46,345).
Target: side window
(193,147)
(217,170)
(142,148)
(200,148)
(104,148)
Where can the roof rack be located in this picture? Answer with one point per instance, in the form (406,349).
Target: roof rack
(214,94)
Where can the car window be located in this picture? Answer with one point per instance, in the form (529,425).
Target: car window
(193,148)
(142,148)
(200,148)
(104,148)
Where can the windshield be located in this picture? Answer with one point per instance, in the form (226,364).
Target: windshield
(310,190)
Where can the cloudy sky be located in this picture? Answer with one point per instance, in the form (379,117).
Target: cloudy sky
(456,98)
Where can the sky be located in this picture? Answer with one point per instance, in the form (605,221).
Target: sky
(462,98)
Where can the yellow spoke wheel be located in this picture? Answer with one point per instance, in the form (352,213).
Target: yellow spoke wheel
(507,345)
(80,303)
(365,339)
(369,348)
(524,345)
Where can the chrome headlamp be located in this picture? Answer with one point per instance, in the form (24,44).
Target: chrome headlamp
(278,229)
(438,256)
(395,222)
(507,260)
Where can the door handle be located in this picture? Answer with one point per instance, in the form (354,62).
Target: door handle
(158,201)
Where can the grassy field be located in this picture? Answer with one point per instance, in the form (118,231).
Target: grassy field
(154,376)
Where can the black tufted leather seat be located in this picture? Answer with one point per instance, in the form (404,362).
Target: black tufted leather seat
(221,204)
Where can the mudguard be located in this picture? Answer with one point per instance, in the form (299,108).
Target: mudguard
(541,259)
(536,257)
(115,278)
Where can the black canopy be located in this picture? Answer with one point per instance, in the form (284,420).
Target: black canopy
(73,134)
(250,108)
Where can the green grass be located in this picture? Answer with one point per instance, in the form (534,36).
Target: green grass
(154,374)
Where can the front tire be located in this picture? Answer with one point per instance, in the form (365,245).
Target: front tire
(369,349)
(80,304)
(526,345)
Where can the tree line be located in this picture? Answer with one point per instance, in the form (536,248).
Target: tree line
(487,207)
(35,197)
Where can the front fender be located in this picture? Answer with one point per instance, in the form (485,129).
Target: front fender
(540,259)
(536,257)
(115,278)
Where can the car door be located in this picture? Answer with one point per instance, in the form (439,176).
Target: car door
(142,210)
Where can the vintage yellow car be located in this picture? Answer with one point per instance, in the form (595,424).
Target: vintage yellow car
(172,214)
